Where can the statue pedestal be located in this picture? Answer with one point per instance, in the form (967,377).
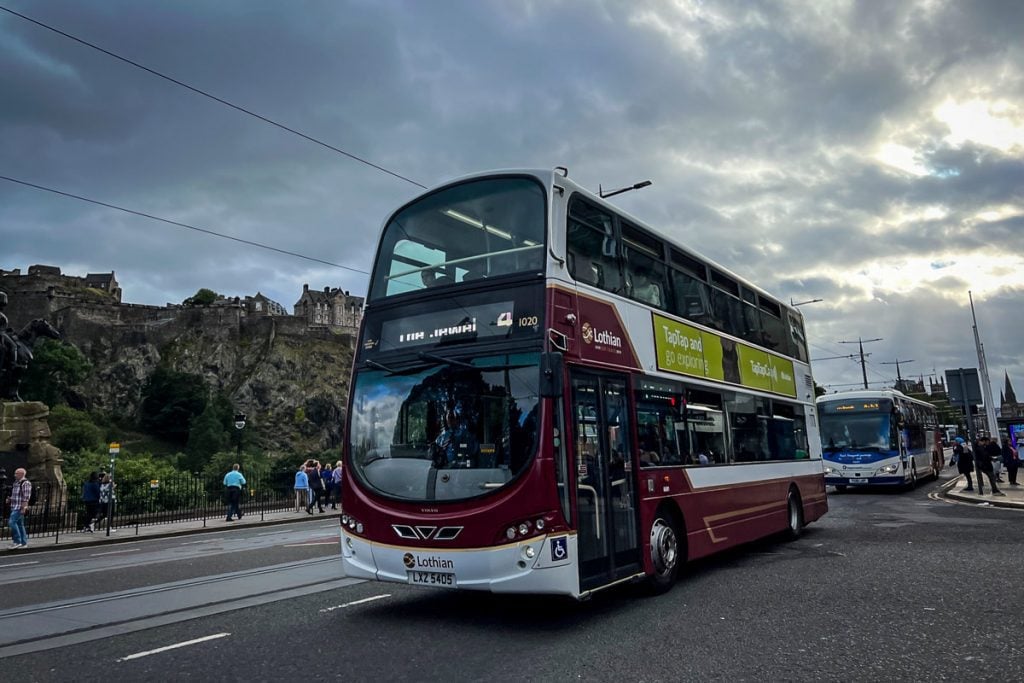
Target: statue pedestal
(25,442)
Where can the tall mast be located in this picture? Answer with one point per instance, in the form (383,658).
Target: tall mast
(986,385)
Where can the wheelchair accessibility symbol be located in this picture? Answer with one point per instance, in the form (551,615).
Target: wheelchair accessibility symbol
(559,548)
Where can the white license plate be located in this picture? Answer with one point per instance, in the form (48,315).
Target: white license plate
(858,481)
(440,579)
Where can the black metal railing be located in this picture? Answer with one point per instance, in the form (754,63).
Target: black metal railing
(58,510)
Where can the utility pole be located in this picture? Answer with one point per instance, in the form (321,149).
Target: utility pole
(899,378)
(863,366)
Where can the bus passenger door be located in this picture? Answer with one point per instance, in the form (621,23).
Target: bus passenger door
(605,498)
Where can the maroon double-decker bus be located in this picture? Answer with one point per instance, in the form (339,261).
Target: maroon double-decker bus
(550,397)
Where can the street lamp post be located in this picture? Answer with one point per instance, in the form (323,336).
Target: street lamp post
(239,425)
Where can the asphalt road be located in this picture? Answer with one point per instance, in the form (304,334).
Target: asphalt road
(888,586)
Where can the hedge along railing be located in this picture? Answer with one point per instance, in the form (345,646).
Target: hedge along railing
(183,498)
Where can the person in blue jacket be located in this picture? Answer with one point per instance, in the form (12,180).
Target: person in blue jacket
(91,499)
(233,483)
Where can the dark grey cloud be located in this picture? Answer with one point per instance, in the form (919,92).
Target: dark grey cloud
(762,125)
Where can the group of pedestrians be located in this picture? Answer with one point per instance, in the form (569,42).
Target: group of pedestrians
(99,499)
(317,486)
(986,457)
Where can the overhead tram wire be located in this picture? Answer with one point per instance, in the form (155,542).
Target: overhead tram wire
(212,97)
(182,225)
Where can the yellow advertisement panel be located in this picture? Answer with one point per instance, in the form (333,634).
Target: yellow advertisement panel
(754,369)
(687,350)
(680,348)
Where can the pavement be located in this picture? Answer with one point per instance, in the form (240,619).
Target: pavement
(73,539)
(1014,497)
(954,489)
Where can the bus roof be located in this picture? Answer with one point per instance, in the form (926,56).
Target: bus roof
(858,394)
(552,176)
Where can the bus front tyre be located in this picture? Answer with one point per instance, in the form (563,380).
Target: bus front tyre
(665,554)
(794,517)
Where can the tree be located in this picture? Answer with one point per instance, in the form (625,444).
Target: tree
(170,400)
(203,297)
(210,432)
(74,430)
(55,367)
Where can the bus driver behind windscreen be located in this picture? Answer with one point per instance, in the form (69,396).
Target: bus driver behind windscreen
(455,446)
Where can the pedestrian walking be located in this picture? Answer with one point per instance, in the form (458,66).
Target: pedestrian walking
(964,461)
(108,502)
(301,489)
(995,454)
(1011,461)
(337,475)
(316,486)
(983,465)
(233,483)
(91,500)
(21,494)
(327,474)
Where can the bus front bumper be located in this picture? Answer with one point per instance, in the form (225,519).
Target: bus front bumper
(865,481)
(544,564)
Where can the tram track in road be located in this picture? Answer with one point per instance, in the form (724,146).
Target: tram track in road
(45,626)
(57,563)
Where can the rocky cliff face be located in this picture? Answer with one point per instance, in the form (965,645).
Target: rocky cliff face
(291,381)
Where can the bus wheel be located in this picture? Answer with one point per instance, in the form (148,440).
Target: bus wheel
(794,516)
(913,478)
(665,554)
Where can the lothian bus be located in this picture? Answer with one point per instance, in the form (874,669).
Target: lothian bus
(879,438)
(550,397)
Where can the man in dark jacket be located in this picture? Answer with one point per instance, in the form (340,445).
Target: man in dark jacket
(316,486)
(983,464)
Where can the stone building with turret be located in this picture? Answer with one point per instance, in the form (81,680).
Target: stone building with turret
(331,307)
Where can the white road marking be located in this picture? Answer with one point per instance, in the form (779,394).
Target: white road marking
(299,545)
(20,564)
(173,647)
(356,602)
(117,552)
(205,540)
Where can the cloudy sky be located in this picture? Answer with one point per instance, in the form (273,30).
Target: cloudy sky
(870,154)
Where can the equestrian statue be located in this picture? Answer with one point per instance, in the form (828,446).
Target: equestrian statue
(16,350)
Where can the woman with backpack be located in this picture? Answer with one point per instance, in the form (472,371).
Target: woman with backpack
(964,462)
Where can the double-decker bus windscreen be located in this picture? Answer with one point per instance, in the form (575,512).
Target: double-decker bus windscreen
(853,426)
(478,229)
(448,430)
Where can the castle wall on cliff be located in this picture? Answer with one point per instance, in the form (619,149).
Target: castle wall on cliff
(289,374)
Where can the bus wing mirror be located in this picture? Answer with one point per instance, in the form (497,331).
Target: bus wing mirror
(551,375)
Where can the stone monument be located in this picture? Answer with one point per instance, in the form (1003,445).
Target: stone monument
(24,429)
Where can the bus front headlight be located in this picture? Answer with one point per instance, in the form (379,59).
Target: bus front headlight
(890,469)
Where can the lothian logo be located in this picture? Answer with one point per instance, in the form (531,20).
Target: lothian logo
(603,337)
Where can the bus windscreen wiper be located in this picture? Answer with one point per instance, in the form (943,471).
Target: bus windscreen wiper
(377,366)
